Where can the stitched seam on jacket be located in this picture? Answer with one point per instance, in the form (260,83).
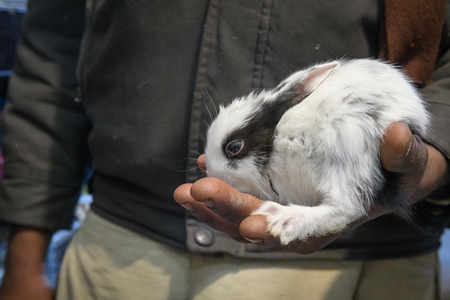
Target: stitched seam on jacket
(261,44)
(207,44)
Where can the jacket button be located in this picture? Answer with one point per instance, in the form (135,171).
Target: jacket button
(204,237)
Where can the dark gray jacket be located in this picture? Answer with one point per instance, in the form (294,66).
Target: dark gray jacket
(141,108)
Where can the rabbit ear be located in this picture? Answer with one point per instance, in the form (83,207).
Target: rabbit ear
(317,75)
(301,84)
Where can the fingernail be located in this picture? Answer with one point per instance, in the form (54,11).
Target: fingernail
(254,241)
(187,206)
(410,145)
(209,203)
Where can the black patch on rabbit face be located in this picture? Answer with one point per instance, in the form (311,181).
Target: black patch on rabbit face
(258,131)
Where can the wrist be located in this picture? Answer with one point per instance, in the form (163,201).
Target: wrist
(440,195)
(435,182)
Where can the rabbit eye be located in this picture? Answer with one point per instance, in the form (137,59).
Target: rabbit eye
(234,148)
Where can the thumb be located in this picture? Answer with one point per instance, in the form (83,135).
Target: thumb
(404,153)
(400,149)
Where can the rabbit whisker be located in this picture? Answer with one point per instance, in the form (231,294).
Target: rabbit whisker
(211,100)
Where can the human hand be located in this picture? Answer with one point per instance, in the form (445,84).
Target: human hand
(226,209)
(24,266)
(30,286)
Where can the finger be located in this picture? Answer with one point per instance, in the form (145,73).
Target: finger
(415,160)
(400,150)
(182,196)
(201,163)
(404,153)
(394,147)
(224,200)
(254,229)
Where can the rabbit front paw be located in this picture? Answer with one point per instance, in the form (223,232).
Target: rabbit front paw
(295,222)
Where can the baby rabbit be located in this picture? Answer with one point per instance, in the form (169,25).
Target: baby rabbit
(310,146)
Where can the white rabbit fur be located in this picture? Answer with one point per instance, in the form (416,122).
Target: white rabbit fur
(312,145)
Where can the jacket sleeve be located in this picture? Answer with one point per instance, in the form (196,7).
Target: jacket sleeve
(45,128)
(437,96)
(433,214)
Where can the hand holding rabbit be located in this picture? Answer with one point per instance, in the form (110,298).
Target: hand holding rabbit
(230,211)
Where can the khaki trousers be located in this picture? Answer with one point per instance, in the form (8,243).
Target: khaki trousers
(106,261)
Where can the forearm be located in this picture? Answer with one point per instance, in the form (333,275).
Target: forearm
(25,265)
(26,252)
